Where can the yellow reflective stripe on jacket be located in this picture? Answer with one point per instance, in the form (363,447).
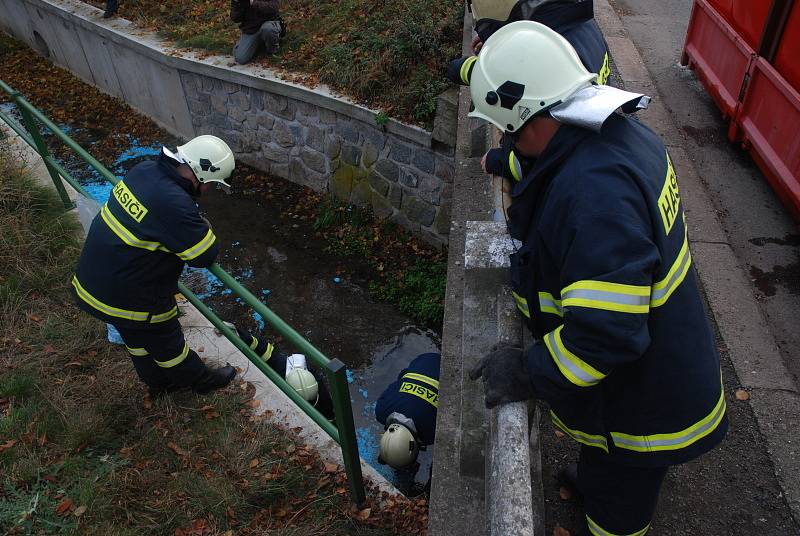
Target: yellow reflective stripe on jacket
(522,304)
(549,304)
(199,248)
(677,273)
(676,440)
(597,530)
(105,308)
(175,360)
(465,67)
(605,71)
(422,378)
(607,296)
(138,316)
(514,166)
(162,317)
(125,235)
(592,440)
(419,391)
(138,352)
(571,366)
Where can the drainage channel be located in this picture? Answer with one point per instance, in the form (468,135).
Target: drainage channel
(282,259)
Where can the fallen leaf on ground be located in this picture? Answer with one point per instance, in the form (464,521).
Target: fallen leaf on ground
(35,318)
(253,403)
(64,506)
(92,353)
(176,449)
(73,364)
(201,349)
(559,434)
(42,440)
(331,467)
(126,452)
(8,444)
(206,408)
(565,493)
(48,349)
(741,394)
(79,511)
(363,515)
(560,531)
(254,463)
(147,403)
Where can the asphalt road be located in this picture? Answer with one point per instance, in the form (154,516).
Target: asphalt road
(763,236)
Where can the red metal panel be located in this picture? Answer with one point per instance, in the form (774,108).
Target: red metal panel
(724,8)
(717,54)
(749,17)
(786,61)
(768,118)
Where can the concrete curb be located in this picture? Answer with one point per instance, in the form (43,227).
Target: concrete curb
(774,397)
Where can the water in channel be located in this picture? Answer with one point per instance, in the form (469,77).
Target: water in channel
(285,264)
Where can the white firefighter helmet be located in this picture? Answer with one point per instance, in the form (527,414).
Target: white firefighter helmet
(209,157)
(524,69)
(304,383)
(399,448)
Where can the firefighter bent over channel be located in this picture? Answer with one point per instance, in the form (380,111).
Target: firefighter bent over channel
(135,252)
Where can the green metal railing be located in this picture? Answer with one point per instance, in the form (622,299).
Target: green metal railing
(344,430)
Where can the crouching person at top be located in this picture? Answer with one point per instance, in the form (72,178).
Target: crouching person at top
(261,26)
(135,252)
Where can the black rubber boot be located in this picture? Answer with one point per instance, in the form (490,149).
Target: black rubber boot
(111,8)
(213,379)
(568,477)
(152,376)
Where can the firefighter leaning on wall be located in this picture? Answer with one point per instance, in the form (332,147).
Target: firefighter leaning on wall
(573,19)
(135,252)
(603,277)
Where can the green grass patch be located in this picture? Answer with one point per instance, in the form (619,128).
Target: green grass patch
(419,293)
(390,55)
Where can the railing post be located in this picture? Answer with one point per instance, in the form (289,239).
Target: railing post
(41,148)
(347,430)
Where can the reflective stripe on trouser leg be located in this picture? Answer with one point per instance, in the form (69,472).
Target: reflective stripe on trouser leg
(619,500)
(172,361)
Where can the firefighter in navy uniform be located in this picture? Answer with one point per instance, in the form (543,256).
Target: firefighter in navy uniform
(309,383)
(407,410)
(135,252)
(603,276)
(573,19)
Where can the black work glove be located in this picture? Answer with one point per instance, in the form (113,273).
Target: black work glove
(505,376)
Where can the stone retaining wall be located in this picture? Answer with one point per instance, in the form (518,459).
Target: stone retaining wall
(310,137)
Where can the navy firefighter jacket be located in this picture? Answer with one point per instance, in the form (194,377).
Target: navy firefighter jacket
(573,20)
(137,246)
(624,354)
(415,394)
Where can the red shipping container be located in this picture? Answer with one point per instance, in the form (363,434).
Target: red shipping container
(749,18)
(717,54)
(787,61)
(768,120)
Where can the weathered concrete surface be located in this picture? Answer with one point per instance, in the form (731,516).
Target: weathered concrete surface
(299,134)
(731,213)
(456,503)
